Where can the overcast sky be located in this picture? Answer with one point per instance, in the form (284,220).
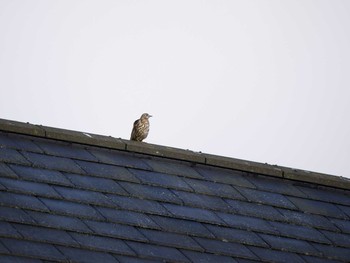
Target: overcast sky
(265,81)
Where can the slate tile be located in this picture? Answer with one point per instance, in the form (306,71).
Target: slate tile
(239,236)
(206,257)
(12,156)
(268,198)
(107,171)
(17,259)
(312,259)
(53,162)
(67,150)
(86,256)
(244,222)
(159,179)
(174,168)
(187,227)
(116,230)
(151,192)
(126,259)
(337,238)
(6,142)
(5,171)
(127,217)
(22,201)
(119,158)
(84,196)
(29,188)
(96,184)
(105,244)
(300,232)
(193,213)
(307,219)
(334,252)
(254,209)
(275,185)
(317,207)
(225,176)
(157,252)
(59,222)
(7,230)
(15,215)
(212,188)
(32,249)
(25,143)
(138,205)
(3,249)
(270,255)
(326,195)
(343,225)
(290,244)
(345,209)
(73,209)
(43,234)
(225,248)
(170,239)
(40,175)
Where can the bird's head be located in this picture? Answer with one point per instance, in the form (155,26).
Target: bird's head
(145,116)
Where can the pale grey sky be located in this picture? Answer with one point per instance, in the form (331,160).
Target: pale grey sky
(265,81)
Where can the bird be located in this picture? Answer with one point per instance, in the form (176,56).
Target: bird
(141,128)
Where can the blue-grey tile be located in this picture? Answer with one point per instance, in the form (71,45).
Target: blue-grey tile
(345,209)
(15,215)
(5,171)
(119,158)
(86,256)
(6,142)
(301,218)
(105,244)
(138,205)
(23,201)
(254,209)
(290,244)
(59,222)
(127,217)
(7,230)
(173,167)
(269,255)
(236,235)
(225,176)
(27,187)
(159,179)
(47,235)
(116,230)
(65,150)
(19,142)
(182,226)
(343,225)
(84,196)
(3,249)
(206,257)
(12,156)
(212,188)
(245,222)
(337,238)
(300,232)
(171,239)
(326,195)
(72,209)
(317,207)
(40,175)
(127,259)
(96,184)
(225,248)
(312,259)
(334,252)
(150,192)
(18,259)
(157,252)
(268,198)
(107,171)
(32,249)
(193,213)
(53,162)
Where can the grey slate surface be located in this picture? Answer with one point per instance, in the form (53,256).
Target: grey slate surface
(63,201)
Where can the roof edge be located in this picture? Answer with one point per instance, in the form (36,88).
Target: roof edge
(173,153)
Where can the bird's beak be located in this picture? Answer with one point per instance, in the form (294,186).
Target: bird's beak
(149,116)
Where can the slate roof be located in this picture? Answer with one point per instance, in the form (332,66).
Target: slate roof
(79,197)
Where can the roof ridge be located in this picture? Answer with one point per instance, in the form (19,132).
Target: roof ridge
(173,153)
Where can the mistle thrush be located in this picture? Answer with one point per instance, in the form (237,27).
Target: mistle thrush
(141,128)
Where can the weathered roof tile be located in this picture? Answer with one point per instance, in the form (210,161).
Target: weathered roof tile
(334,252)
(7,230)
(205,257)
(12,156)
(86,256)
(22,201)
(337,238)
(18,259)
(270,255)
(5,171)
(15,215)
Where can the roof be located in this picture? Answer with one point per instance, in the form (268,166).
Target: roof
(74,196)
